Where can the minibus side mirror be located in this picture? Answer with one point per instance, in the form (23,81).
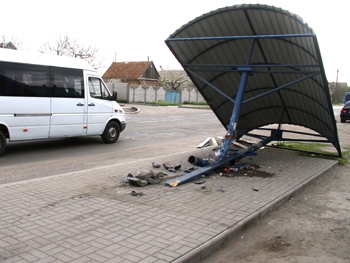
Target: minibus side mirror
(115,95)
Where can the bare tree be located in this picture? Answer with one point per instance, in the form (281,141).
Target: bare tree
(70,47)
(338,91)
(172,81)
(16,42)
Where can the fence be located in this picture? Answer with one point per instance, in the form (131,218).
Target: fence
(133,93)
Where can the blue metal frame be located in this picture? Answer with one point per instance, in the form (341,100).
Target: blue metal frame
(231,130)
(223,156)
(218,163)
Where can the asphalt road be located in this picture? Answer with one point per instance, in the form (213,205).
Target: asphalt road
(152,132)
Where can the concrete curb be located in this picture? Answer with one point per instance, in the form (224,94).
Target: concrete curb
(189,106)
(131,110)
(218,241)
(135,110)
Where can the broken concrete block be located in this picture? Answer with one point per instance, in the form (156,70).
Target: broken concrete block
(137,181)
(144,175)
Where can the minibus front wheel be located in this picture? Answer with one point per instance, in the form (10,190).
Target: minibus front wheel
(2,143)
(111,132)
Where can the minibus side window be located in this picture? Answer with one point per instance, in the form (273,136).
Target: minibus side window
(24,80)
(98,89)
(67,83)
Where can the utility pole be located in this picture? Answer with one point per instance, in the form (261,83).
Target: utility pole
(336,84)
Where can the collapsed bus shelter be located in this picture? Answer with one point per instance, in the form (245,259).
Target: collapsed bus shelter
(256,65)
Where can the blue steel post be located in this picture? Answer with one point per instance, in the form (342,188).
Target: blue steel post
(231,130)
(230,136)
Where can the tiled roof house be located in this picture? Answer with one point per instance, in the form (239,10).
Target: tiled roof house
(142,73)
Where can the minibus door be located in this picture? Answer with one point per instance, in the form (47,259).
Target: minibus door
(99,106)
(67,117)
(67,103)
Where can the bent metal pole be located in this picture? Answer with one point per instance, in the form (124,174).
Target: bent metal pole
(231,129)
(230,136)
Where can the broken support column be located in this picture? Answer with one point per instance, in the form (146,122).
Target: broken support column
(229,138)
(231,129)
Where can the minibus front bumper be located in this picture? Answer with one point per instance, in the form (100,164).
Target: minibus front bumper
(122,126)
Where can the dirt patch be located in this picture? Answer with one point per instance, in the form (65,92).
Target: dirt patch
(274,244)
(313,227)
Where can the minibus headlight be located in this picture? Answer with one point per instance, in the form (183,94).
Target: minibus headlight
(119,110)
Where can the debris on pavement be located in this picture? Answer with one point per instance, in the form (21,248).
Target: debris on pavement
(144,178)
(127,177)
(230,169)
(245,170)
(199,181)
(198,161)
(137,182)
(134,193)
(155,165)
(221,189)
(175,183)
(172,168)
(204,143)
(210,141)
(190,169)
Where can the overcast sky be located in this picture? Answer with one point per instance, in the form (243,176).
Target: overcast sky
(136,30)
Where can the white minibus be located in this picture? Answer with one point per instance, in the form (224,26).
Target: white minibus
(44,96)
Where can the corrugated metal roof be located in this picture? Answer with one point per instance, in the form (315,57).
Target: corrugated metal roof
(286,83)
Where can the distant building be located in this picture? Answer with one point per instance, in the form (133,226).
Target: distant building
(139,82)
(8,45)
(142,73)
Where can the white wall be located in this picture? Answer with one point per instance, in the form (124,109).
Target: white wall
(132,93)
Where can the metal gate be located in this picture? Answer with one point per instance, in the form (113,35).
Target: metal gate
(173,96)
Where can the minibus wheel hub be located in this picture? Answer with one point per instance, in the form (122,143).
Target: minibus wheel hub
(112,132)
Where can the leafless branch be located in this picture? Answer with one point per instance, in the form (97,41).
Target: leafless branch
(172,81)
(66,46)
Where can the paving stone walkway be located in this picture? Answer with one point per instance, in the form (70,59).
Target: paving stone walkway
(91,215)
